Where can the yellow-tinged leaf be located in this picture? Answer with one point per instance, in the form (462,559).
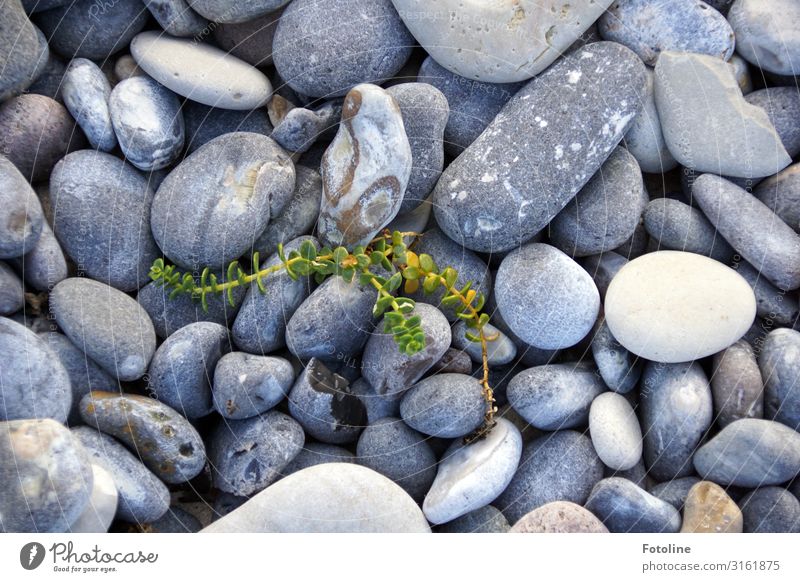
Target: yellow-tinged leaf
(411,286)
(412,260)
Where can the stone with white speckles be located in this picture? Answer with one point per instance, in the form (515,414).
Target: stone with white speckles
(86,92)
(534,157)
(176,18)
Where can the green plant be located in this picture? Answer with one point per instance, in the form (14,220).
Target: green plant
(400,267)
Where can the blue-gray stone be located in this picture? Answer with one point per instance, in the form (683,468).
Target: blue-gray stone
(12,295)
(674,491)
(619,368)
(636,474)
(533,159)
(487,519)
(248,455)
(378,406)
(453,360)
(602,269)
(782,105)
(321,50)
(19,50)
(750,452)
(176,17)
(251,40)
(86,92)
(301,127)
(203,123)
(22,218)
(49,83)
(559,466)
(770,510)
(781,193)
(33,382)
(736,384)
(235,10)
(181,370)
(101,216)
(318,454)
(246,385)
(142,495)
(766,34)
(779,361)
(499,351)
(676,411)
(45,265)
(626,508)
(444,405)
(772,303)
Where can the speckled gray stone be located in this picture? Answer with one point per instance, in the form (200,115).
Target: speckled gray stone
(751,228)
(676,411)
(19,50)
(499,351)
(487,519)
(176,17)
(34,383)
(559,466)
(101,216)
(86,90)
(782,105)
(615,431)
(444,405)
(781,193)
(248,455)
(50,80)
(318,454)
(182,368)
(251,40)
(204,123)
(770,510)
(322,51)
(142,496)
(12,295)
(559,517)
(602,268)
(211,208)
(680,227)
(619,368)
(675,491)
(455,361)
(779,362)
(736,384)
(766,35)
(45,265)
(235,11)
(301,127)
(648,27)
(645,140)
(626,508)
(246,385)
(47,474)
(750,452)
(377,405)
(545,297)
(503,190)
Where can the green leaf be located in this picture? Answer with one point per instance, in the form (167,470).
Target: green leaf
(348,274)
(450,275)
(340,254)
(394,282)
(483,319)
(411,273)
(472,337)
(386,264)
(479,302)
(308,251)
(451,300)
(281,256)
(464,316)
(397,238)
(377,257)
(431,284)
(204,302)
(231,300)
(231,274)
(362,260)
(427,264)
(319,278)
(365,279)
(302,268)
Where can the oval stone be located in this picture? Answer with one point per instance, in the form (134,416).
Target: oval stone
(736,384)
(615,431)
(559,517)
(86,91)
(444,405)
(626,508)
(766,34)
(708,509)
(779,362)
(21,223)
(247,385)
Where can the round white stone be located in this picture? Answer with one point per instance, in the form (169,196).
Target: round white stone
(615,431)
(673,306)
(102,506)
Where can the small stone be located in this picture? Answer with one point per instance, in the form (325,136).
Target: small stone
(247,385)
(125,68)
(750,453)
(330,498)
(324,405)
(176,17)
(378,406)
(472,476)
(19,50)
(49,83)
(645,140)
(444,405)
(204,123)
(781,194)
(101,507)
(736,384)
(365,170)
(453,361)
(714,130)
(782,105)
(675,491)
(164,440)
(545,297)
(708,509)
(757,233)
(487,519)
(672,306)
(250,40)
(234,11)
(779,361)
(111,327)
(86,91)
(44,266)
(615,431)
(247,456)
(603,268)
(742,72)
(52,477)
(12,295)
(201,72)
(626,508)
(181,370)
(619,369)
(318,454)
(499,351)
(770,510)
(559,517)
(765,34)
(301,127)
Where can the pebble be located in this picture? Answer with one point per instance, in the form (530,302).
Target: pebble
(555,396)
(619,369)
(559,517)
(164,440)
(204,123)
(781,194)
(320,50)
(365,170)
(765,34)
(181,370)
(601,85)
(675,491)
(378,406)
(645,140)
(714,130)
(708,509)
(499,351)
(487,519)
(653,304)
(125,68)
(210,209)
(233,11)
(615,431)
(317,454)
(782,105)
(250,40)
(12,295)
(545,297)
(101,507)
(559,466)
(757,233)
(92,30)
(391,372)
(603,268)
(49,82)
(606,211)
(472,476)
(101,215)
(751,453)
(736,384)
(323,403)
(301,127)
(248,455)
(142,496)
(647,28)
(201,72)
(425,114)
(473,104)
(44,266)
(329,498)
(676,411)
(444,405)
(246,385)
(19,50)
(770,510)
(391,448)
(34,382)
(86,91)
(176,17)
(779,362)
(148,123)
(626,508)
(53,477)
(453,361)
(513,41)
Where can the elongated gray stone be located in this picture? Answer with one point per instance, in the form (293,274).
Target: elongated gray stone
(22,218)
(626,508)
(736,384)
(781,193)
(86,91)
(644,138)
(779,362)
(615,431)
(176,17)
(619,368)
